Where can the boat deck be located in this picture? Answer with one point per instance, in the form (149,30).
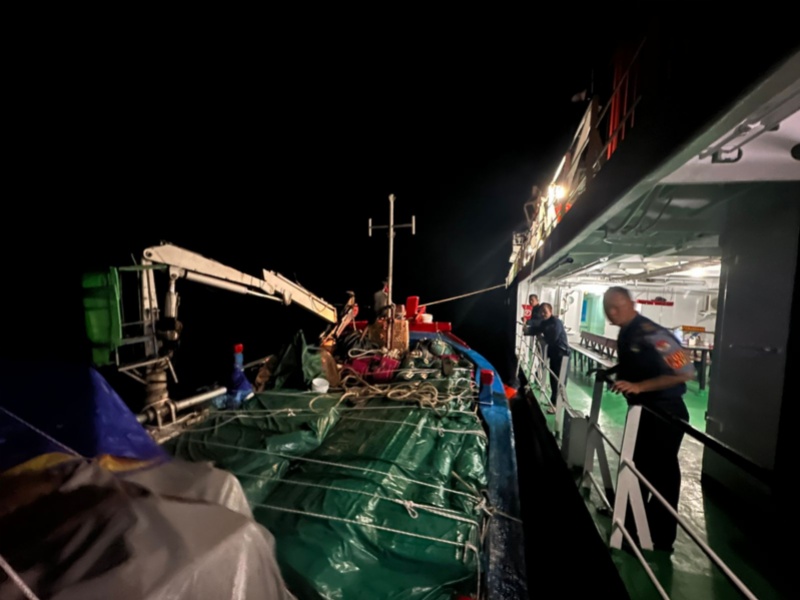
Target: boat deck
(739,539)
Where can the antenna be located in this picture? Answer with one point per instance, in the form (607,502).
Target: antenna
(391,227)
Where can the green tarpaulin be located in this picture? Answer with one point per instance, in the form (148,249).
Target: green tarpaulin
(379,501)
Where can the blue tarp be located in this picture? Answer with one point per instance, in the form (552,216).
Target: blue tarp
(71,403)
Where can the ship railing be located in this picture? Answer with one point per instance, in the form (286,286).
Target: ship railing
(538,372)
(603,128)
(628,492)
(617,117)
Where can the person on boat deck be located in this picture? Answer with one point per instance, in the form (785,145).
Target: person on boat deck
(380,303)
(535,310)
(555,336)
(652,371)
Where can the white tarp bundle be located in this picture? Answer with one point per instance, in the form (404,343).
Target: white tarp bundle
(76,531)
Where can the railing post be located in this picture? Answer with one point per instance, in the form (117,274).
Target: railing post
(561,396)
(628,487)
(544,376)
(594,442)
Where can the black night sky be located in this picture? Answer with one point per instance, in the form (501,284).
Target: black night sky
(281,168)
(278,160)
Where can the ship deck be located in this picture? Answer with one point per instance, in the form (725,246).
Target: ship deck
(742,538)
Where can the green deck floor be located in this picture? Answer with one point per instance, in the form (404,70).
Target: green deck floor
(688,573)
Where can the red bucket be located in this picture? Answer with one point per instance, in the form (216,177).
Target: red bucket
(412,304)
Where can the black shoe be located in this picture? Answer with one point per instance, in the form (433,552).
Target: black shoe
(668,548)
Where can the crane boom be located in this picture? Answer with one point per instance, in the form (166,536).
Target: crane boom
(195,267)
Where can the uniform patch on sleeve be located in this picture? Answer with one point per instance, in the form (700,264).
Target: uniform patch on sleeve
(663,346)
(677,359)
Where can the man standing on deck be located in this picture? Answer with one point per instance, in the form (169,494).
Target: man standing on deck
(652,371)
(380,302)
(535,309)
(555,336)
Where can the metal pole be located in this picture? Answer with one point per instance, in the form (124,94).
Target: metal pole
(149,414)
(391,244)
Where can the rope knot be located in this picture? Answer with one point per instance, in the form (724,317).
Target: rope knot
(469,546)
(483,506)
(410,508)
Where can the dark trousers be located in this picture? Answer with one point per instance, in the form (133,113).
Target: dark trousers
(656,458)
(555,374)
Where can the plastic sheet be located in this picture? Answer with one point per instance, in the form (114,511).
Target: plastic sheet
(345,556)
(350,480)
(73,404)
(77,532)
(193,480)
(274,432)
(297,366)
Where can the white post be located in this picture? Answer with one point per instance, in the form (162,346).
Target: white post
(628,487)
(149,303)
(594,441)
(391,227)
(561,395)
(391,243)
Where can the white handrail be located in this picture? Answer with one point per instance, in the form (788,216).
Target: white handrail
(624,452)
(703,546)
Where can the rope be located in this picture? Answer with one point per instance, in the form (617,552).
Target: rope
(464,483)
(42,433)
(489,289)
(333,464)
(484,504)
(12,574)
(469,546)
(294,411)
(358,353)
(466,546)
(409,505)
(440,430)
(423,393)
(294,394)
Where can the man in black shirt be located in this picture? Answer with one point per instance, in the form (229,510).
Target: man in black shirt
(652,371)
(380,303)
(555,336)
(536,309)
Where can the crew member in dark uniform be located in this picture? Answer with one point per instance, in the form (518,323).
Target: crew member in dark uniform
(380,303)
(652,371)
(536,310)
(555,336)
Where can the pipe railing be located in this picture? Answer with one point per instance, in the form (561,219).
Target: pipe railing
(627,492)
(696,538)
(628,496)
(541,378)
(763,474)
(596,139)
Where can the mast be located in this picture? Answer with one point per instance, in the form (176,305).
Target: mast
(391,244)
(391,227)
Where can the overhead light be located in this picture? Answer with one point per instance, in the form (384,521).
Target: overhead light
(556,192)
